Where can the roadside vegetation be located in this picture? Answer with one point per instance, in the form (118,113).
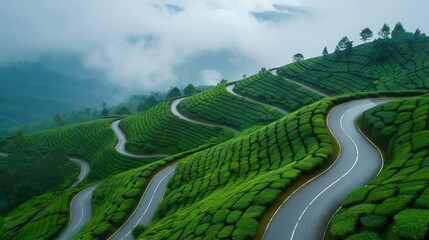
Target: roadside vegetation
(117,197)
(395,204)
(159,131)
(93,141)
(219,106)
(396,63)
(275,90)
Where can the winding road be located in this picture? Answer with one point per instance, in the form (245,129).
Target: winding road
(306,213)
(148,204)
(84,169)
(80,212)
(3,154)
(120,146)
(177,113)
(230,89)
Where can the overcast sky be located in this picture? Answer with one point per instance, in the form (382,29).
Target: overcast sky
(150,45)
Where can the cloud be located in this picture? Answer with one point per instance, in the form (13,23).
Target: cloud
(149,45)
(211,77)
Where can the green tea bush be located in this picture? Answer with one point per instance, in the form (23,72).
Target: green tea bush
(400,192)
(163,132)
(275,90)
(219,106)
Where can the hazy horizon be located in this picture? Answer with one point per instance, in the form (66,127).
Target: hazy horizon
(152,45)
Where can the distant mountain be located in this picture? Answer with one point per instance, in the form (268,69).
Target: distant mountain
(31,92)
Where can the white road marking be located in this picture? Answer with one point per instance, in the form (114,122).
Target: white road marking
(345,174)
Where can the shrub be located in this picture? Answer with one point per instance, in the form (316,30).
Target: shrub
(412,223)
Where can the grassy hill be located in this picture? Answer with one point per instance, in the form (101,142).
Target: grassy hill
(229,190)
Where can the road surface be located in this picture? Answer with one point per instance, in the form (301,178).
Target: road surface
(148,204)
(230,89)
(84,169)
(120,146)
(3,154)
(306,213)
(80,212)
(176,112)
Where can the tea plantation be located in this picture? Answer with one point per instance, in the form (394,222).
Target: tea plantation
(223,191)
(159,131)
(32,221)
(274,90)
(395,204)
(93,141)
(116,198)
(219,106)
(404,67)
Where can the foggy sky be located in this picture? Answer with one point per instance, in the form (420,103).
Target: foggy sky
(154,44)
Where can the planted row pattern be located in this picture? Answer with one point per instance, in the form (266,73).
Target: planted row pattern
(169,134)
(275,90)
(396,202)
(223,191)
(219,106)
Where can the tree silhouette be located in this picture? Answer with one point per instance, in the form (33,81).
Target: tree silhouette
(297,57)
(366,34)
(384,31)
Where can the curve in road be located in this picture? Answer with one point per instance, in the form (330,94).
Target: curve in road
(3,154)
(80,212)
(120,146)
(148,204)
(84,169)
(230,89)
(177,113)
(306,213)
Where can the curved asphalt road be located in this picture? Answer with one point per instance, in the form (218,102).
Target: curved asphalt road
(84,169)
(148,204)
(306,213)
(3,154)
(80,212)
(230,89)
(176,112)
(120,147)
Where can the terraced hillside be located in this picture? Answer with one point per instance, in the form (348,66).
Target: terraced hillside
(219,106)
(159,131)
(275,90)
(223,191)
(385,64)
(27,222)
(93,141)
(395,204)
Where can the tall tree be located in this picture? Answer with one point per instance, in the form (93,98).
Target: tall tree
(384,31)
(366,34)
(325,52)
(189,90)
(344,46)
(174,92)
(297,57)
(398,31)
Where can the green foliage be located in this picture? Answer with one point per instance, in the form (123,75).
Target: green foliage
(400,192)
(41,223)
(174,92)
(159,131)
(225,189)
(98,148)
(23,177)
(219,106)
(275,90)
(383,64)
(412,223)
